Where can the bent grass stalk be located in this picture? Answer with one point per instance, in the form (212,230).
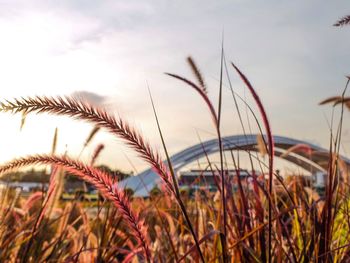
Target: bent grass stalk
(101,180)
(83,111)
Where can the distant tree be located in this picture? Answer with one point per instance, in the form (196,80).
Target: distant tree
(35,176)
(27,176)
(129,192)
(71,181)
(117,173)
(14,176)
(155,192)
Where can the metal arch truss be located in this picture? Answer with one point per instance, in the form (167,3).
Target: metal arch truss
(144,182)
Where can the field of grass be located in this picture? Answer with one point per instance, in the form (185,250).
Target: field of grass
(278,220)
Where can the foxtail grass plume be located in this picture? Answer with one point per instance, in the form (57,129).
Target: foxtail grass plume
(96,153)
(100,179)
(99,117)
(92,134)
(197,73)
(343,21)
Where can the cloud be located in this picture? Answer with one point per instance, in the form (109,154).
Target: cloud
(90,97)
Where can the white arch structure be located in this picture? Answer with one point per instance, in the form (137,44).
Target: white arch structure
(142,183)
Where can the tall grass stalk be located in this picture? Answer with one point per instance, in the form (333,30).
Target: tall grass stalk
(175,183)
(202,91)
(271,149)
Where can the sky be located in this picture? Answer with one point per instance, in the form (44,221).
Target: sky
(109,52)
